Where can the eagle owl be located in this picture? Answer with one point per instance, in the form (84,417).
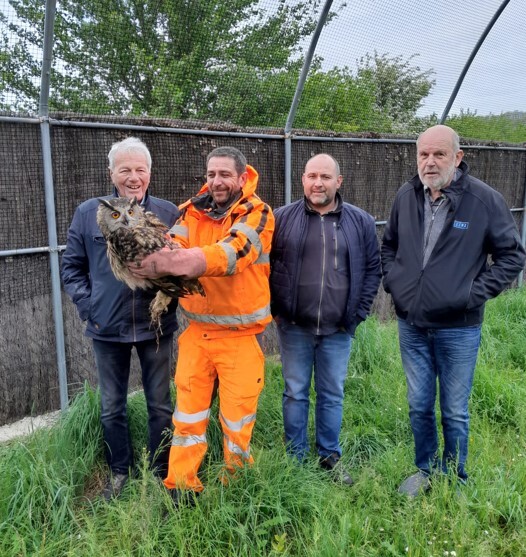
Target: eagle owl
(132,234)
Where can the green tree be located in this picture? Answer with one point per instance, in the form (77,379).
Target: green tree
(226,61)
(399,88)
(172,58)
(336,100)
(509,127)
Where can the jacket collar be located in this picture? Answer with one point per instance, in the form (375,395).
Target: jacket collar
(203,201)
(454,190)
(455,184)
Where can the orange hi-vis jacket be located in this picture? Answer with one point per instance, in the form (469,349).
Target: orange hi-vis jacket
(236,245)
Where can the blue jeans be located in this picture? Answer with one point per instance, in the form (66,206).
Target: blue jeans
(301,351)
(449,355)
(113,366)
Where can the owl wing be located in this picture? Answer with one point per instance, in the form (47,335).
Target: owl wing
(178,287)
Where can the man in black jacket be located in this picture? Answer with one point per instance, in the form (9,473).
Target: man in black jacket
(443,225)
(118,319)
(325,272)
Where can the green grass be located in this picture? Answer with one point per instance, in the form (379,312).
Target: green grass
(49,480)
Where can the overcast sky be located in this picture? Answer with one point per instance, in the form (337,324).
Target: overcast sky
(443,33)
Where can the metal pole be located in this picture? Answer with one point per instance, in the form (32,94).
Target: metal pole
(523,232)
(470,60)
(297,96)
(50,200)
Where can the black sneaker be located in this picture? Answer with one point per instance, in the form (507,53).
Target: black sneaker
(184,497)
(114,485)
(337,470)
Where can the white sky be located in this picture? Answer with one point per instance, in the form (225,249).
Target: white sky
(443,33)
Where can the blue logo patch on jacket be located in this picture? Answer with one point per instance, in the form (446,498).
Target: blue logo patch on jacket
(461,225)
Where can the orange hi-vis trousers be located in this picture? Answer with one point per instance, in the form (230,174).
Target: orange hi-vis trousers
(238,363)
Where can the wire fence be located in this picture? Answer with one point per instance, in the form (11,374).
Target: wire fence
(280,80)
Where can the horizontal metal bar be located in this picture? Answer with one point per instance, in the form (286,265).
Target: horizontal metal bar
(184,131)
(391,140)
(27,251)
(20,120)
(350,139)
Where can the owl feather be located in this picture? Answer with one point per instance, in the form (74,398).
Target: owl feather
(131,234)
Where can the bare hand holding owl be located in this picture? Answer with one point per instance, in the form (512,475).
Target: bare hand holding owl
(188,263)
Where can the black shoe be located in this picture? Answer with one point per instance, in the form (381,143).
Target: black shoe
(114,485)
(337,470)
(184,497)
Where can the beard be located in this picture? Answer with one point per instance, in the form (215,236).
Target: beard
(320,199)
(439,181)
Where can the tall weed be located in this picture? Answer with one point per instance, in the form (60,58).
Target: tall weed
(49,480)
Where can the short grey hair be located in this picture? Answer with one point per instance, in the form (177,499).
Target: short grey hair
(236,155)
(336,163)
(129,145)
(455,139)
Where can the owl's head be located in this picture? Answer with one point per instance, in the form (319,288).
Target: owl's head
(117,213)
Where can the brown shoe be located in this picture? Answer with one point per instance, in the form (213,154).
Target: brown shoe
(415,485)
(114,485)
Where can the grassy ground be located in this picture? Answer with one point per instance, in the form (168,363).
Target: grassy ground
(49,481)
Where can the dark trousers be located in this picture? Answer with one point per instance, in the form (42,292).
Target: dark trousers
(113,366)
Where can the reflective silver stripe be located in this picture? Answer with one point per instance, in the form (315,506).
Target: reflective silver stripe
(179,230)
(191,418)
(264,258)
(230,257)
(251,234)
(238,426)
(236,449)
(188,440)
(231,320)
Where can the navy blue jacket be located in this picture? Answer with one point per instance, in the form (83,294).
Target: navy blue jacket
(288,243)
(451,290)
(111,310)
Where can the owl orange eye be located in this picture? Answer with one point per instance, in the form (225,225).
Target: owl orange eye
(130,212)
(115,214)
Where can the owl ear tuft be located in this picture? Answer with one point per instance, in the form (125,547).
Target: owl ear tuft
(105,202)
(134,201)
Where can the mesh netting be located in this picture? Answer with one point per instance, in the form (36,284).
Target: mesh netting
(154,69)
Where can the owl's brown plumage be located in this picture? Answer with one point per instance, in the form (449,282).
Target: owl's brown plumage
(131,234)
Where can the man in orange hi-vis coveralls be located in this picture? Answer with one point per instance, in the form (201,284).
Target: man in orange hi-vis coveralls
(227,230)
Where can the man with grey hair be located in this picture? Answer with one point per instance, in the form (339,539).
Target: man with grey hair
(118,319)
(444,224)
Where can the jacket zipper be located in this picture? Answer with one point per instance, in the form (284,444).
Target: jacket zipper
(433,214)
(133,317)
(335,239)
(322,284)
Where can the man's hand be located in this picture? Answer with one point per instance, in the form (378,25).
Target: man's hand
(189,263)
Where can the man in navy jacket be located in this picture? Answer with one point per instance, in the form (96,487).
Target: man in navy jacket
(325,273)
(118,319)
(444,224)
